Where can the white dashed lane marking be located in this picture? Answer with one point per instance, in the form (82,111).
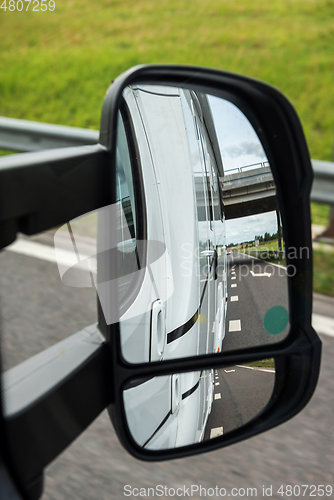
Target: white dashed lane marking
(323,324)
(270,370)
(234,325)
(260,274)
(59,256)
(217,431)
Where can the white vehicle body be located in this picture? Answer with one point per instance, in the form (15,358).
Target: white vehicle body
(171,255)
(179,308)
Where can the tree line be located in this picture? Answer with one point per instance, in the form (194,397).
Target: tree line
(262,239)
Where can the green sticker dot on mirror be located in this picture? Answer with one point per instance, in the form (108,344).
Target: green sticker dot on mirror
(276,320)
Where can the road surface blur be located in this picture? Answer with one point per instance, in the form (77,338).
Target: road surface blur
(38,311)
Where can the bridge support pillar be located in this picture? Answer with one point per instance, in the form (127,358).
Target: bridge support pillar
(279,231)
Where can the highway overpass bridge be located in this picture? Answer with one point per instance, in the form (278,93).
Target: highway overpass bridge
(248,191)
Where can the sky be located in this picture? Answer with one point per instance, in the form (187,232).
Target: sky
(238,141)
(246,228)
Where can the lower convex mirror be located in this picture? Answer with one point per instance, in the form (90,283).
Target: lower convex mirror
(186,408)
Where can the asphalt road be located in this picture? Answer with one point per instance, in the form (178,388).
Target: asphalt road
(298,452)
(240,393)
(37,311)
(254,287)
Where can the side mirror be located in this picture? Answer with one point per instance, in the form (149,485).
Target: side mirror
(214,168)
(199,194)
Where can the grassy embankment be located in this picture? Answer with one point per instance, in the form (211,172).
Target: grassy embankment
(263,363)
(261,252)
(323,265)
(56,66)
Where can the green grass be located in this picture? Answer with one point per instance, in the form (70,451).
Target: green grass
(319,214)
(5,153)
(263,363)
(323,272)
(266,245)
(56,66)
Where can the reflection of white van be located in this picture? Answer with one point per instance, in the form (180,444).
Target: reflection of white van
(168,189)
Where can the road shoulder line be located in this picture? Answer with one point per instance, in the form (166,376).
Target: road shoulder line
(323,324)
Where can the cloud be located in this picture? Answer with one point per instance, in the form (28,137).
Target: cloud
(245,228)
(243,148)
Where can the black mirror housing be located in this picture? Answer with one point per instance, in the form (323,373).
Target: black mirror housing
(297,358)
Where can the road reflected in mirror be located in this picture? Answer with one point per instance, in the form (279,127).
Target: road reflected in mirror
(183,409)
(257,310)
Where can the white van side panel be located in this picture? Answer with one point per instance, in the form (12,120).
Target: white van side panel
(135,323)
(142,421)
(173,170)
(154,418)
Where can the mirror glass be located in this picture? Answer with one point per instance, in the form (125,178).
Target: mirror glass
(182,409)
(207,195)
(198,261)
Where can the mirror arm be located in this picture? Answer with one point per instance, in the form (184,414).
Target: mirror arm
(52,398)
(46,189)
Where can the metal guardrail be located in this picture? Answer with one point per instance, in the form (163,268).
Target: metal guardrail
(323,184)
(23,135)
(248,167)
